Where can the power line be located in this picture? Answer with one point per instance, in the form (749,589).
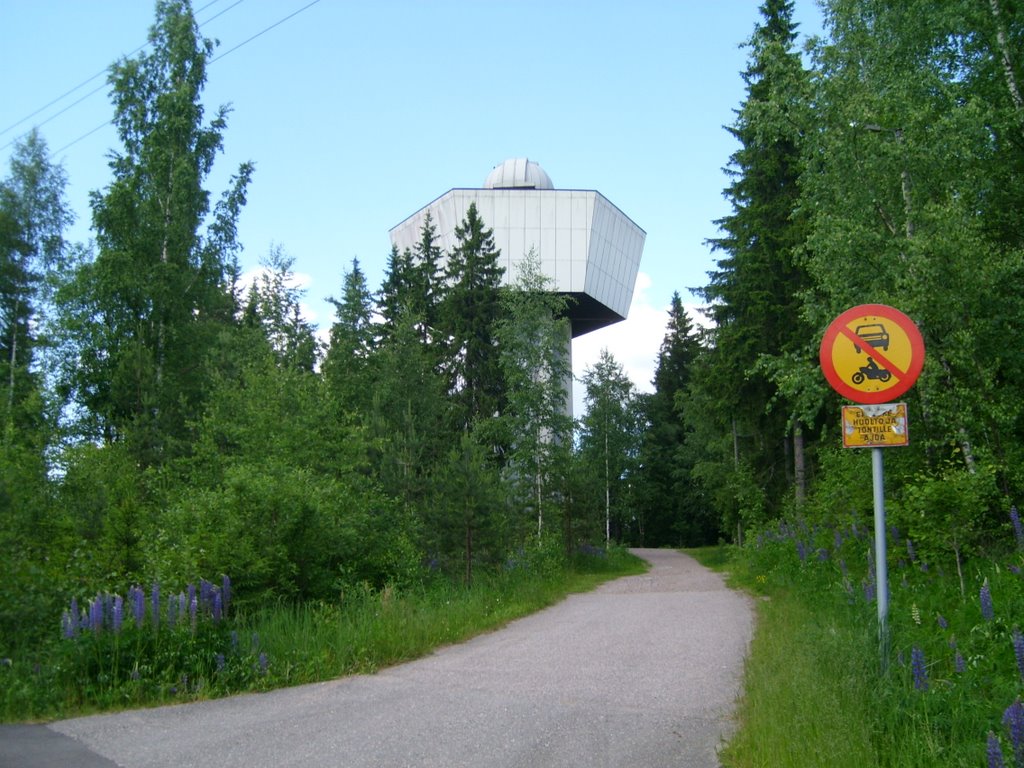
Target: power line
(258,34)
(99,88)
(89,80)
(218,58)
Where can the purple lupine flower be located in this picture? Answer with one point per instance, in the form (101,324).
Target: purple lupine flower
(138,600)
(994,752)
(1013,719)
(942,621)
(225,591)
(1018,530)
(117,614)
(217,606)
(220,662)
(96,614)
(67,625)
(1018,650)
(837,540)
(869,590)
(263,662)
(919,669)
(985,596)
(182,605)
(155,600)
(958,663)
(822,555)
(74,619)
(801,550)
(910,551)
(205,593)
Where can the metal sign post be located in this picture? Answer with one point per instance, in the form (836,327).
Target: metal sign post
(871,354)
(881,557)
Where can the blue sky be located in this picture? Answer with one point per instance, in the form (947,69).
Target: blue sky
(357,114)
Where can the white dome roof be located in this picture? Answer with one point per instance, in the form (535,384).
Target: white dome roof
(518,173)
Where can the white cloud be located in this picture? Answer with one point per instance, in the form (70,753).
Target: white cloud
(634,343)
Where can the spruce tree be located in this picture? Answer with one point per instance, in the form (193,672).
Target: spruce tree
(470,310)
(666,493)
(755,293)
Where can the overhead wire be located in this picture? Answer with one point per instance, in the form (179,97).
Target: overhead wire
(85,82)
(108,122)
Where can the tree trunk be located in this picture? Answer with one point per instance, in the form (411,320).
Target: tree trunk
(607,497)
(799,465)
(469,554)
(1004,56)
(13,362)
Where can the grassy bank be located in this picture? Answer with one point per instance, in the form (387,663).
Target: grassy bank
(104,664)
(819,691)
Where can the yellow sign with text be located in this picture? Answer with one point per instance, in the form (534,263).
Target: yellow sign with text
(875,426)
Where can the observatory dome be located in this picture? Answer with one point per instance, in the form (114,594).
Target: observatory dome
(518,173)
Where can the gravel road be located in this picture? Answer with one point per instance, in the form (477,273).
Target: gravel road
(643,672)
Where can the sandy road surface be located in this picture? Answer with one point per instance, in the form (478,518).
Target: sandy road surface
(641,673)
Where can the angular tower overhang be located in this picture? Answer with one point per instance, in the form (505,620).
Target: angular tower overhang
(589,248)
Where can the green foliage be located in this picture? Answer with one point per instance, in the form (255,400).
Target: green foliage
(756,293)
(469,312)
(276,643)
(465,517)
(532,336)
(953,512)
(668,495)
(818,689)
(144,313)
(609,442)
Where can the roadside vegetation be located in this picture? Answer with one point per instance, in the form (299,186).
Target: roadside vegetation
(163,420)
(820,690)
(155,646)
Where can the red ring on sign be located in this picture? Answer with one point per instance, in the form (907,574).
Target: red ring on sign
(905,376)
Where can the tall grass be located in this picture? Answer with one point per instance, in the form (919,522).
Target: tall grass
(819,690)
(96,662)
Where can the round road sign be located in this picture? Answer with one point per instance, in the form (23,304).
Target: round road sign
(872,353)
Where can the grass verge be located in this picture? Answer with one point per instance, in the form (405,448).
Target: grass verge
(818,690)
(281,644)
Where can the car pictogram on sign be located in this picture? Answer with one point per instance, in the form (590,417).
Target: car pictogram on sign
(874,334)
(871,353)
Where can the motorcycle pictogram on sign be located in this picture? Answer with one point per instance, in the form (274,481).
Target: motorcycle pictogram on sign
(872,353)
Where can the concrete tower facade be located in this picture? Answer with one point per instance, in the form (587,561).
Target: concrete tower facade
(588,248)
